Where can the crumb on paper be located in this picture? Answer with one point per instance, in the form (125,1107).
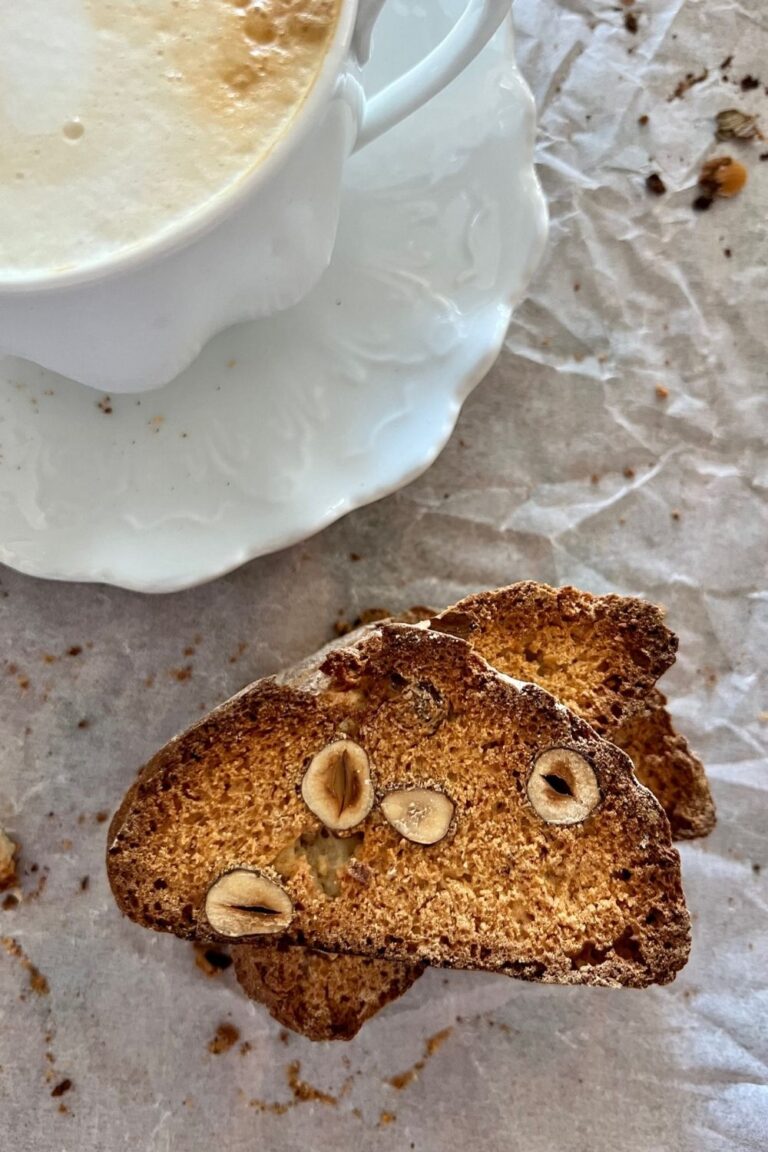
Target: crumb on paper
(690,80)
(644,120)
(748,83)
(675,514)
(629,473)
(662,393)
(84,723)
(386,1118)
(757,868)
(85,883)
(181,674)
(62,1087)
(102,816)
(245,1048)
(655,184)
(431,1046)
(8,852)
(355,557)
(225,1037)
(733,124)
(37,982)
(211,961)
(283,1036)
(241,648)
(105,405)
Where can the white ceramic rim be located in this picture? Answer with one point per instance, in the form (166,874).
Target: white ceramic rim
(212,211)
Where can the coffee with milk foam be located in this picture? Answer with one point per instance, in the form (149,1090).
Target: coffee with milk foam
(119,118)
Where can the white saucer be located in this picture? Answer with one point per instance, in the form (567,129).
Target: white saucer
(283,425)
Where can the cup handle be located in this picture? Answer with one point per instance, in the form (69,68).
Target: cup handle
(471,32)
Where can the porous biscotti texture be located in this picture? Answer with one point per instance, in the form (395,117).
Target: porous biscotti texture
(597,902)
(320,995)
(665,763)
(600,655)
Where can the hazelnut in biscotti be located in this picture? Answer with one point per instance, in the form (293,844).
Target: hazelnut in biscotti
(559,869)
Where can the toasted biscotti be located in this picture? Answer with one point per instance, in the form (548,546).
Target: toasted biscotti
(323,996)
(553,863)
(665,763)
(516,627)
(600,655)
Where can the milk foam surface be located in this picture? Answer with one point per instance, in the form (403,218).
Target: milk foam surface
(119,117)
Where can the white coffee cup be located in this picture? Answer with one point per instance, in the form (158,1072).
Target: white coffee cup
(133,321)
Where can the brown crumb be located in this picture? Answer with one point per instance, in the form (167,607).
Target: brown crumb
(432,1044)
(238,652)
(182,674)
(283,1036)
(102,817)
(189,650)
(225,1037)
(630,22)
(149,680)
(75,650)
(37,982)
(727,253)
(722,177)
(749,83)
(85,883)
(355,557)
(655,184)
(105,404)
(675,514)
(594,478)
(643,120)
(689,81)
(757,869)
(764,155)
(662,393)
(210,960)
(10,902)
(629,473)
(84,723)
(726,64)
(386,1118)
(303,1091)
(62,1087)
(246,1047)
(577,286)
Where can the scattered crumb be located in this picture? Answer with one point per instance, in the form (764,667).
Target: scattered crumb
(702,203)
(62,1087)
(749,83)
(629,473)
(764,155)
(189,650)
(594,478)
(354,557)
(577,287)
(37,982)
(156,422)
(85,883)
(643,120)
(433,1043)
(303,1091)
(8,851)
(84,723)
(105,405)
(211,961)
(655,184)
(242,646)
(65,845)
(689,81)
(631,22)
(727,253)
(245,1048)
(181,674)
(662,393)
(102,817)
(75,650)
(225,1037)
(726,64)
(283,1036)
(722,177)
(756,868)
(675,514)
(386,1118)
(733,124)
(10,902)
(149,680)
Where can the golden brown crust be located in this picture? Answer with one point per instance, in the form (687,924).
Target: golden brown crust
(599,902)
(321,995)
(600,655)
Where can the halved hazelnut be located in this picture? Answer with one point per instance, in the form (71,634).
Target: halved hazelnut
(244,902)
(563,786)
(421,815)
(337,785)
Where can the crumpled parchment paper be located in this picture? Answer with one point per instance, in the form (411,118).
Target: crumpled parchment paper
(571,463)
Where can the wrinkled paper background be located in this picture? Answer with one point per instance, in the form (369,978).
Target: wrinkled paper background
(635,292)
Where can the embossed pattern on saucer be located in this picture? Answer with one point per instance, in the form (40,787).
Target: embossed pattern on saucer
(283,425)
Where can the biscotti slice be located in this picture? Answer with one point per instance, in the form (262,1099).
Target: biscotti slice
(665,763)
(483,825)
(600,655)
(323,996)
